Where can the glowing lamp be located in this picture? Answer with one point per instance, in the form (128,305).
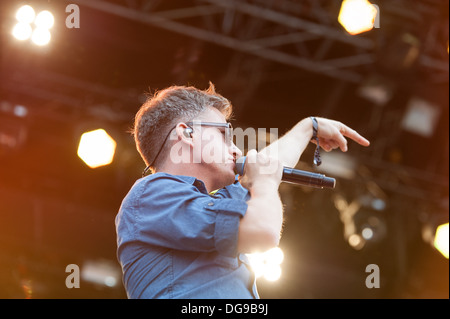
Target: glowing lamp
(441,239)
(357,16)
(96,148)
(267,264)
(43,22)
(22,31)
(41,36)
(25,14)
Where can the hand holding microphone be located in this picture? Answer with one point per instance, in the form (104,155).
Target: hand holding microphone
(295,176)
(260,171)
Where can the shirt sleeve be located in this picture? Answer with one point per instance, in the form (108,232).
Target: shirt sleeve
(174,214)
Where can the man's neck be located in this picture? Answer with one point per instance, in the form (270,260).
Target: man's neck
(194,170)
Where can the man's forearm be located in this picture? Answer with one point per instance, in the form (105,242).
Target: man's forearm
(289,148)
(260,228)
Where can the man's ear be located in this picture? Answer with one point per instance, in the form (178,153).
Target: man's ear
(188,132)
(184,133)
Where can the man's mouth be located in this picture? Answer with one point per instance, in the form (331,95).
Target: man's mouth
(230,161)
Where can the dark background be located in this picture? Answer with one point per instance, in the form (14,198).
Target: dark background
(56,211)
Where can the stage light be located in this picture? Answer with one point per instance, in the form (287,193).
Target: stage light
(272,272)
(421,117)
(377,89)
(13,133)
(338,164)
(356,241)
(25,14)
(267,264)
(41,36)
(96,148)
(257,263)
(20,111)
(101,273)
(364,220)
(441,239)
(22,31)
(44,20)
(357,16)
(435,230)
(367,233)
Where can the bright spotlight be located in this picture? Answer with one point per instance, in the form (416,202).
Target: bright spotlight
(356,241)
(41,36)
(101,273)
(441,239)
(357,16)
(22,31)
(367,233)
(96,148)
(272,273)
(267,264)
(44,20)
(25,14)
(275,256)
(257,263)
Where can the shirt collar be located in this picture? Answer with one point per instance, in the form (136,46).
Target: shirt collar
(188,179)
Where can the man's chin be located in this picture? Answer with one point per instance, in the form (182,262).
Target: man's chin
(232,176)
(224,174)
(228,175)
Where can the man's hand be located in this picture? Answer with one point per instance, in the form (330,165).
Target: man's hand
(261,169)
(332,135)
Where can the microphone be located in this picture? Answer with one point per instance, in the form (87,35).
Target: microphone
(296,176)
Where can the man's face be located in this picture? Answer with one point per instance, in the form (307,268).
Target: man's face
(213,151)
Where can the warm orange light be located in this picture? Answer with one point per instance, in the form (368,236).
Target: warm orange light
(22,31)
(25,14)
(267,264)
(43,22)
(357,16)
(96,148)
(441,239)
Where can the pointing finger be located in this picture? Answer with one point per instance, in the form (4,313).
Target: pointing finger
(355,136)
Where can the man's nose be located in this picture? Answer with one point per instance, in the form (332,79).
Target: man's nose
(236,151)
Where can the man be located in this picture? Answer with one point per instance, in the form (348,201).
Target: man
(183,231)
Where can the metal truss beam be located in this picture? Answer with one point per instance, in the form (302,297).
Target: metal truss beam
(266,47)
(293,22)
(41,85)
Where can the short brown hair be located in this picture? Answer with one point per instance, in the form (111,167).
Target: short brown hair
(164,109)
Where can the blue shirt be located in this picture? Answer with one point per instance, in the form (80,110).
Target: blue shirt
(177,241)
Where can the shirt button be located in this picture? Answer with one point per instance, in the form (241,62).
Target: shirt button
(211,204)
